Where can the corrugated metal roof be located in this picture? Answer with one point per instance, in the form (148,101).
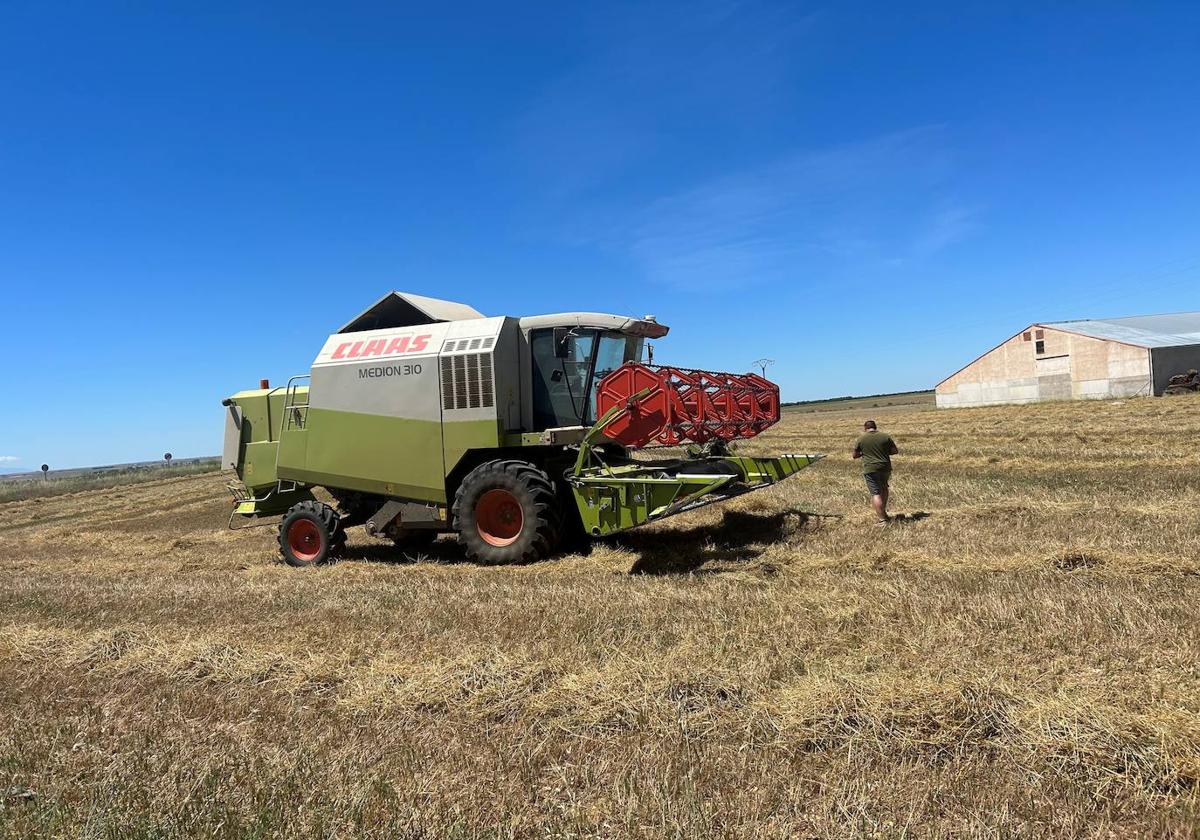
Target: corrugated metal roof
(1173,330)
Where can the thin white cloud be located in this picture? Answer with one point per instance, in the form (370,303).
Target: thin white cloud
(8,459)
(946,227)
(884,200)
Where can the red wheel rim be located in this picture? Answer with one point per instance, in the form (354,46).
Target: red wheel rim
(498,517)
(304,539)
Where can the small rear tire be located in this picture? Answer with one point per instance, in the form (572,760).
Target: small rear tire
(310,534)
(507,512)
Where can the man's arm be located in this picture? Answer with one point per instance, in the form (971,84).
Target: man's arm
(856,452)
(892,448)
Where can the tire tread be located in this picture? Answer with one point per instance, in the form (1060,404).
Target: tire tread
(329,520)
(548,528)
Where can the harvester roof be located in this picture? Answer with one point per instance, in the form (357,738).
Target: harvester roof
(402,309)
(646,327)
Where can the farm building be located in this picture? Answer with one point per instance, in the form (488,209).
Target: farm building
(1066,360)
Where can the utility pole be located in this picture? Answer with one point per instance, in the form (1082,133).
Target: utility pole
(763,364)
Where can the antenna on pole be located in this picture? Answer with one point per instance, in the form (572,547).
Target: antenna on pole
(763,364)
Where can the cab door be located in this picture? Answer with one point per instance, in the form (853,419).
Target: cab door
(562,369)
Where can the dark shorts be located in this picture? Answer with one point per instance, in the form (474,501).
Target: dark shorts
(877,482)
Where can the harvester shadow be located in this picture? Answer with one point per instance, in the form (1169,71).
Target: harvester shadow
(727,544)
(730,541)
(445,551)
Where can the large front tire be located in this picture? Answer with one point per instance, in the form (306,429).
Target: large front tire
(507,512)
(310,534)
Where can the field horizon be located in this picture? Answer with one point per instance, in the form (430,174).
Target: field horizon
(1022,660)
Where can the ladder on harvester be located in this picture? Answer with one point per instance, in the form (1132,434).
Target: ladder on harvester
(295,404)
(295,416)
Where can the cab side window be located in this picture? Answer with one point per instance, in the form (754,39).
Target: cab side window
(560,382)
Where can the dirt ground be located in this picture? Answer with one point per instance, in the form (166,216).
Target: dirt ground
(1021,662)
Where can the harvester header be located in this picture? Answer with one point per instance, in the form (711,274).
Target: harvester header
(668,406)
(421,416)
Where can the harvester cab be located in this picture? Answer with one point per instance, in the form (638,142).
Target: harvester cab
(421,416)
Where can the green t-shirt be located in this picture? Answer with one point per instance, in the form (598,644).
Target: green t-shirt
(876,449)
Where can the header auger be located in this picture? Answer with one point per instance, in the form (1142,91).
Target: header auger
(422,416)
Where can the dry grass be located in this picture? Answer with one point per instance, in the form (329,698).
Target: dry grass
(18,488)
(1023,662)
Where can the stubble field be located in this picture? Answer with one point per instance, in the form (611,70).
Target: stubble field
(1024,661)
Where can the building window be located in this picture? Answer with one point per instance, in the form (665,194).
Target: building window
(1039,348)
(1038,335)
(1025,335)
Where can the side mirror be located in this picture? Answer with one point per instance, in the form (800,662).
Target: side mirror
(562,342)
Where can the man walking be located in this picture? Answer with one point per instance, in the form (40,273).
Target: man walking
(875,449)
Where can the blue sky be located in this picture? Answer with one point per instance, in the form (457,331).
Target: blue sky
(193,196)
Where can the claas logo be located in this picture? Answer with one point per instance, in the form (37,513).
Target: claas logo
(381,347)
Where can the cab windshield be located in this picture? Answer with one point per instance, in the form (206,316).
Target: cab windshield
(566,369)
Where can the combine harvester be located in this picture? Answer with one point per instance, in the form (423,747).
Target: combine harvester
(422,416)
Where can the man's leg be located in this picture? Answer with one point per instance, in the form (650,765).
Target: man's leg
(877,487)
(879,504)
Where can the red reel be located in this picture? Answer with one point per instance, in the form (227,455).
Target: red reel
(681,405)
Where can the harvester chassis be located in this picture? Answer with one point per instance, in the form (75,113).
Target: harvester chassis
(610,490)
